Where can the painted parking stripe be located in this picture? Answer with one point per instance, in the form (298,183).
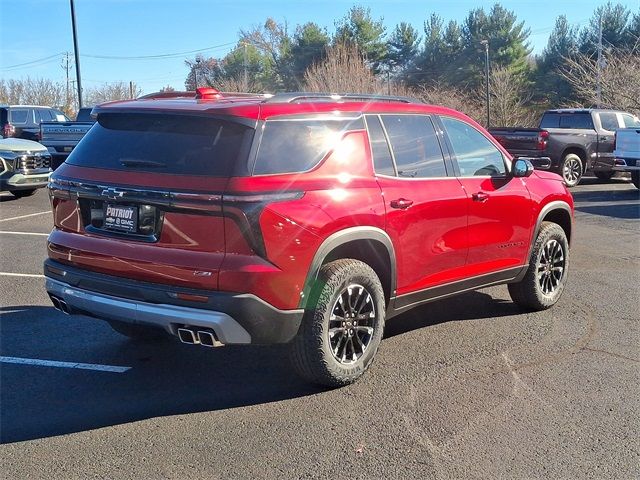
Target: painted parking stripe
(27,275)
(52,363)
(25,233)
(24,216)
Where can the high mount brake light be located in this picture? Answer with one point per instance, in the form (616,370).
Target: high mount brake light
(205,93)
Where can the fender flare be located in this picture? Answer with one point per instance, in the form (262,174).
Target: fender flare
(549,207)
(342,237)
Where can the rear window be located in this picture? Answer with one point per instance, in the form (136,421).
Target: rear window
(298,145)
(576,120)
(550,120)
(174,144)
(630,121)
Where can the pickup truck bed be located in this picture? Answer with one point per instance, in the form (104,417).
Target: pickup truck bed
(61,138)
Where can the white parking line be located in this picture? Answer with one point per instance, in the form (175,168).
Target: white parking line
(28,275)
(25,233)
(24,216)
(52,363)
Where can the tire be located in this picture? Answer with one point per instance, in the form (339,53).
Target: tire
(329,350)
(138,332)
(571,169)
(604,175)
(635,178)
(543,284)
(23,193)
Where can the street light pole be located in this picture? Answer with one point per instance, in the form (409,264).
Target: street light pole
(486,73)
(195,71)
(77,53)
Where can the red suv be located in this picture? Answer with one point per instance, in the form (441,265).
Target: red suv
(307,219)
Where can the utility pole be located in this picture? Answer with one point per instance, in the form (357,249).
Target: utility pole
(598,71)
(195,72)
(77,53)
(486,73)
(130,89)
(244,61)
(388,82)
(66,67)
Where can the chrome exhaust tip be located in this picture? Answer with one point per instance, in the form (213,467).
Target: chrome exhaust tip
(208,339)
(187,335)
(64,307)
(59,304)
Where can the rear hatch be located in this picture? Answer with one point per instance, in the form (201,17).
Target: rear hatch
(141,197)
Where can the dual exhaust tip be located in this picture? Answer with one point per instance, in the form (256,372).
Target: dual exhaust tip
(205,338)
(60,304)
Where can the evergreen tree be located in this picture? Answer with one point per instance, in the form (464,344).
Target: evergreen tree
(403,47)
(308,47)
(614,28)
(360,29)
(563,42)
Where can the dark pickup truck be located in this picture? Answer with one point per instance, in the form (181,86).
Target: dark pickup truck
(61,138)
(569,141)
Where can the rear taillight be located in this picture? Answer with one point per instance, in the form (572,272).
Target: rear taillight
(543,136)
(8,130)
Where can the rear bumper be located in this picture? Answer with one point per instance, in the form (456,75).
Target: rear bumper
(627,165)
(539,163)
(235,318)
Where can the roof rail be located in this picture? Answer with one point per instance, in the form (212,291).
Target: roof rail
(293,97)
(171,94)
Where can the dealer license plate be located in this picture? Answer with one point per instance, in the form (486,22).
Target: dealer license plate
(121,218)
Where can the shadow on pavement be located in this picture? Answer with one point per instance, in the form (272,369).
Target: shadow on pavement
(166,377)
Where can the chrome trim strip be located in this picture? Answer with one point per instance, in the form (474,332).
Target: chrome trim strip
(165,316)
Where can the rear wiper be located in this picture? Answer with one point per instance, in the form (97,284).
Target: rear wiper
(133,162)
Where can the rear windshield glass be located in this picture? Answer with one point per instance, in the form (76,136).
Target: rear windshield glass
(298,145)
(174,144)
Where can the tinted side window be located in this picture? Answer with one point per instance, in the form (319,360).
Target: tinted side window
(58,116)
(382,160)
(609,121)
(43,115)
(630,121)
(415,146)
(475,154)
(298,145)
(19,116)
(576,120)
(550,120)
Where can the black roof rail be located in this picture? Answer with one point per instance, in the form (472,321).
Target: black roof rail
(292,97)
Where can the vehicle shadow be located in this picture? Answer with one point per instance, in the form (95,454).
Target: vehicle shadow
(7,197)
(165,378)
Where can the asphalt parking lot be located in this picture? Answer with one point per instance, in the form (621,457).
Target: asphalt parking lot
(469,387)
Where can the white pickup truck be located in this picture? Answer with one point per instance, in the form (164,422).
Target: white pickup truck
(627,153)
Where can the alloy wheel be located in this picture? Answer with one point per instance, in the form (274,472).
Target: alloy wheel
(551,267)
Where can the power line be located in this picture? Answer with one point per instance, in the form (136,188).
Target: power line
(164,55)
(18,65)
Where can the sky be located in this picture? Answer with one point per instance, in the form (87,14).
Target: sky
(35,34)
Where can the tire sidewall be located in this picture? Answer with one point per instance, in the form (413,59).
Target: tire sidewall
(554,233)
(569,157)
(377,295)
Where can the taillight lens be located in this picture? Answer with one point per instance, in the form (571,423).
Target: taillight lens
(8,130)
(543,136)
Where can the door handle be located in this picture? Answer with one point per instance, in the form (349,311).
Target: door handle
(401,203)
(480,197)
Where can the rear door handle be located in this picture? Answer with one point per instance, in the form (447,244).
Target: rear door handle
(401,203)
(480,197)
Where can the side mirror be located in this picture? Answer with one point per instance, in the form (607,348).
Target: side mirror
(522,168)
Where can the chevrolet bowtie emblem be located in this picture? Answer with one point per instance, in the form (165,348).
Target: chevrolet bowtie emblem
(112,193)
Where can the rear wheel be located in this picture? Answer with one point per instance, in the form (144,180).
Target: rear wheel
(23,193)
(138,332)
(635,178)
(604,175)
(546,276)
(571,169)
(341,332)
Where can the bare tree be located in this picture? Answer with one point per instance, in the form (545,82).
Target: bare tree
(619,79)
(344,69)
(457,99)
(111,91)
(35,91)
(509,99)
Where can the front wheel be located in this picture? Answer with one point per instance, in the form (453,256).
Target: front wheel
(546,276)
(343,325)
(571,169)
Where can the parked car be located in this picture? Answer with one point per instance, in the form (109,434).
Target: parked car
(627,153)
(60,138)
(307,219)
(569,141)
(24,166)
(23,121)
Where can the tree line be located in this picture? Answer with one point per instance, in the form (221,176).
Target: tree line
(444,62)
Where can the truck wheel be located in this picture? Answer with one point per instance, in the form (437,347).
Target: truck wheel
(23,193)
(571,169)
(138,332)
(343,325)
(546,276)
(635,178)
(604,175)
